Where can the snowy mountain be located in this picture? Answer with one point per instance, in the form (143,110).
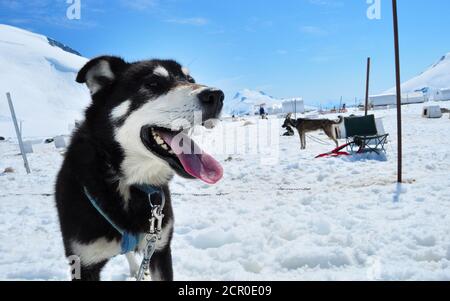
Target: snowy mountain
(247,102)
(40,74)
(434,78)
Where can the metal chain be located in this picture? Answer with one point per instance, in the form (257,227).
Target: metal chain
(153,235)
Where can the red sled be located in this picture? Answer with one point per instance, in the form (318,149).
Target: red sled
(337,152)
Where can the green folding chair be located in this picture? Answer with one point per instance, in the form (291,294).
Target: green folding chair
(362,135)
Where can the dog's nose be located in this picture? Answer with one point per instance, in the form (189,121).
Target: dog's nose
(212,100)
(211,97)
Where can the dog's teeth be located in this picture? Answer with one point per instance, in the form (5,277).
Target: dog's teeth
(159,140)
(165,146)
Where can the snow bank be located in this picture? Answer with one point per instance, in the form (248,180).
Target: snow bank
(41,79)
(298,219)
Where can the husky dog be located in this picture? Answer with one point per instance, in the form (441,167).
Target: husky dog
(304,126)
(133,135)
(287,127)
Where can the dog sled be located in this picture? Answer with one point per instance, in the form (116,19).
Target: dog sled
(362,136)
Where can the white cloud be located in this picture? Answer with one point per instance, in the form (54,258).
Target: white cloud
(329,3)
(139,4)
(313,30)
(189,21)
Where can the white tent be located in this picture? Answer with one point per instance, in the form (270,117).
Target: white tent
(382,100)
(391,99)
(274,110)
(295,105)
(415,97)
(442,95)
(432,112)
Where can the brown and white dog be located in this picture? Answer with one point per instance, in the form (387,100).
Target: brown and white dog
(304,126)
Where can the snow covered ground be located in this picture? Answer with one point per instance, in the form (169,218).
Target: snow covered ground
(294,218)
(41,79)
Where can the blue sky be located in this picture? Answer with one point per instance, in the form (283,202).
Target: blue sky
(311,48)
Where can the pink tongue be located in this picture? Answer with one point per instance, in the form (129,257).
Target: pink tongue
(198,164)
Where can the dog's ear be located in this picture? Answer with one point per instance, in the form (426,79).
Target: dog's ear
(101,72)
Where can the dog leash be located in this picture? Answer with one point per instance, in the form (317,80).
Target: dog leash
(318,140)
(131,241)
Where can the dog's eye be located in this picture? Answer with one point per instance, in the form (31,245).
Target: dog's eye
(151,85)
(156,82)
(191,79)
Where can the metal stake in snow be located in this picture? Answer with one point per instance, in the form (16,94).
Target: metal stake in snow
(399,91)
(18,133)
(367,85)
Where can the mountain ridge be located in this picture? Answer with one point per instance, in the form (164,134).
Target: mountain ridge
(40,75)
(435,77)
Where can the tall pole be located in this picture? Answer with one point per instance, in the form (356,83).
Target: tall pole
(399,92)
(18,133)
(367,85)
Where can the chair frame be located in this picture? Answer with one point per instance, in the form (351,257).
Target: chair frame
(364,144)
(373,142)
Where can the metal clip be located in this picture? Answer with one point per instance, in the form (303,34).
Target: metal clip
(157,213)
(153,235)
(152,221)
(163,201)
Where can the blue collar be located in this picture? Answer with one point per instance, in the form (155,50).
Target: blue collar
(149,189)
(129,241)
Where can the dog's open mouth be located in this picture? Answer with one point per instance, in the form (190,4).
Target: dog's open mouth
(182,154)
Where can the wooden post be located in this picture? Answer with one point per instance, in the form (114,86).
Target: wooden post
(367,86)
(399,92)
(18,133)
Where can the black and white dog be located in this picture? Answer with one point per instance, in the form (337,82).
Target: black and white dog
(133,135)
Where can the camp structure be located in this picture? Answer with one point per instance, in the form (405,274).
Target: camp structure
(442,95)
(391,99)
(432,112)
(294,105)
